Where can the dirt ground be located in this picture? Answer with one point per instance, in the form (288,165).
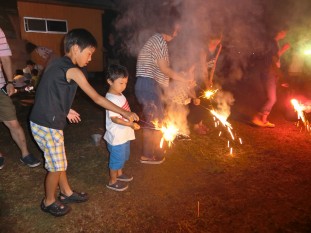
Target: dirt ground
(264,186)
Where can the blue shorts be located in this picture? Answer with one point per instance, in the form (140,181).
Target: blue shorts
(118,155)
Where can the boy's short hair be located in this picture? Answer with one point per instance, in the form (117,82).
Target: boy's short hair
(116,71)
(80,37)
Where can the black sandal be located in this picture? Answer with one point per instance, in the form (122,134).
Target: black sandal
(74,198)
(56,209)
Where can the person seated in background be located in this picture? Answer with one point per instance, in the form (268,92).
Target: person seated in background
(19,80)
(30,65)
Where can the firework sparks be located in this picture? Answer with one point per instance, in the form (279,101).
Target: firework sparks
(209,93)
(169,131)
(300,108)
(223,119)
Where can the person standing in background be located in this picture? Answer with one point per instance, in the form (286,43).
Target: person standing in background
(270,73)
(7,108)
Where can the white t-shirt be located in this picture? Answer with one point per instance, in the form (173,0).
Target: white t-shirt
(4,51)
(117,134)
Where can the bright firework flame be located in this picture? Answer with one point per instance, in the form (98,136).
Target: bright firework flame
(169,130)
(300,108)
(209,93)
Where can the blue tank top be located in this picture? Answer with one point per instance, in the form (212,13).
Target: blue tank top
(54,95)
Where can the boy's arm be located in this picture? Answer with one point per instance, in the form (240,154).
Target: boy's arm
(73,116)
(120,121)
(76,75)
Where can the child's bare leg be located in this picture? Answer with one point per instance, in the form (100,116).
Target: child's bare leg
(119,172)
(113,176)
(64,185)
(51,183)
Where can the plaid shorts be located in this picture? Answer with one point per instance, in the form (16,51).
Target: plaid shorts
(51,142)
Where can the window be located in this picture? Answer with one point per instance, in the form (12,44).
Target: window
(45,25)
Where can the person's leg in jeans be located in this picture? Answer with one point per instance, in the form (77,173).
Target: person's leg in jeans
(269,84)
(148,94)
(270,89)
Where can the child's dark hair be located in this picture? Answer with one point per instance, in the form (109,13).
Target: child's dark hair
(19,72)
(170,22)
(30,62)
(34,72)
(80,37)
(116,71)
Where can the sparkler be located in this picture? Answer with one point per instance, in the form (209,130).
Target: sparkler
(169,131)
(208,94)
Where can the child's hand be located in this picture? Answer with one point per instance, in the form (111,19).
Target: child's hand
(135,126)
(196,101)
(73,116)
(131,116)
(192,83)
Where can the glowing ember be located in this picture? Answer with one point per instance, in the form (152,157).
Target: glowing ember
(209,93)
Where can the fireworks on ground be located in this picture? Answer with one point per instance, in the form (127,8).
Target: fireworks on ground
(300,109)
(169,132)
(223,120)
(220,116)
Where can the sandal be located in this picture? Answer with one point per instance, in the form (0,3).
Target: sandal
(56,209)
(74,198)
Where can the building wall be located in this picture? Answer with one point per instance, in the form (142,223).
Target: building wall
(90,19)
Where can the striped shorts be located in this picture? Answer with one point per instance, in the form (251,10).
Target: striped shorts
(51,142)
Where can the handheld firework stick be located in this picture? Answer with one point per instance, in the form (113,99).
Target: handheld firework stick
(211,76)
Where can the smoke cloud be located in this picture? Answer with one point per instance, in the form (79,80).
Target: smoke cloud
(243,24)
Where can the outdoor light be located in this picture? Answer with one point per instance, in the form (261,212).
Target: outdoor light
(307,52)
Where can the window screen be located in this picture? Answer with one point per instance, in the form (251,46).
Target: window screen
(45,25)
